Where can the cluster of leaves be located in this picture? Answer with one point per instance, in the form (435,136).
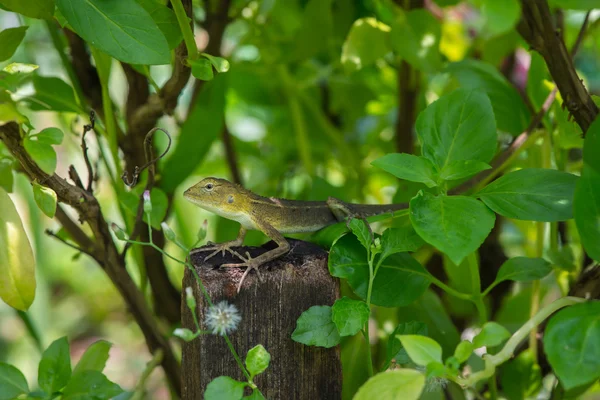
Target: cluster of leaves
(57,377)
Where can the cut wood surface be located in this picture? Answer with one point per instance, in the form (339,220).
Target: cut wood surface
(269,308)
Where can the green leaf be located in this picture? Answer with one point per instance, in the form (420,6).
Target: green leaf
(458,126)
(317,24)
(315,328)
(165,19)
(456,225)
(43,154)
(90,384)
(532,194)
(492,334)
(52,94)
(202,126)
(120,28)
(405,384)
(257,360)
(422,350)
(12,382)
(17,266)
(576,4)
(563,257)
(408,166)
(54,370)
(521,377)
(202,69)
(350,316)
(394,348)
(591,147)
(256,395)
(42,9)
(9,112)
(415,38)
(510,112)
(462,169)
(570,342)
(94,358)
(367,42)
(463,351)
(500,17)
(360,229)
(50,136)
(587,211)
(45,198)
(221,64)
(399,240)
(523,269)
(224,388)
(400,279)
(6,175)
(11,38)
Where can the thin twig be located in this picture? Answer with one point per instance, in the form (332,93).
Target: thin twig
(84,149)
(71,245)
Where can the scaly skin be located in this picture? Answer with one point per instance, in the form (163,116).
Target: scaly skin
(271,216)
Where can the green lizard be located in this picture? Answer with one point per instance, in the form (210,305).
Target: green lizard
(272,216)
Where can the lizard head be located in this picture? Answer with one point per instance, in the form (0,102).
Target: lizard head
(218,195)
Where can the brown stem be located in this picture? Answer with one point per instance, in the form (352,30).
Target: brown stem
(231,155)
(408,91)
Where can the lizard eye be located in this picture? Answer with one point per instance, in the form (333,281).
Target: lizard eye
(209,186)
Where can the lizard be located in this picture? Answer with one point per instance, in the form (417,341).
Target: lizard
(273,216)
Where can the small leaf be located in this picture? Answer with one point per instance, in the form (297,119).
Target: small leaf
(463,351)
(224,388)
(421,349)
(12,382)
(202,69)
(54,370)
(350,316)
(50,136)
(408,166)
(20,68)
(523,269)
(11,38)
(399,240)
(532,194)
(456,225)
(220,63)
(6,175)
(570,342)
(185,334)
(257,360)
(462,169)
(395,350)
(43,154)
(90,384)
(45,198)
(367,41)
(492,334)
(17,265)
(94,358)
(42,9)
(256,395)
(315,328)
(121,28)
(405,384)
(360,229)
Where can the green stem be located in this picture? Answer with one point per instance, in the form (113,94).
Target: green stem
(152,364)
(186,29)
(370,257)
(31,329)
(492,361)
(365,333)
(237,359)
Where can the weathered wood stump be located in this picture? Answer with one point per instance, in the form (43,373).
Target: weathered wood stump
(269,308)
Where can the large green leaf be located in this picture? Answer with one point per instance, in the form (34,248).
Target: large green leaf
(572,346)
(523,269)
(576,4)
(400,279)
(11,39)
(42,153)
(17,266)
(165,19)
(405,384)
(500,16)
(367,42)
(201,128)
(349,316)
(456,225)
(587,211)
(54,370)
(43,9)
(510,112)
(122,29)
(532,194)
(408,166)
(12,382)
(415,38)
(90,384)
(94,358)
(458,126)
(52,94)
(316,328)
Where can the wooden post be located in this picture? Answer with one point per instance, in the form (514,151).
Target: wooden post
(269,309)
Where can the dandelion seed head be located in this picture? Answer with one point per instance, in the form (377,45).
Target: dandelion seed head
(222,318)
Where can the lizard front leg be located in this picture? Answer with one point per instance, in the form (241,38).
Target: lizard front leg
(253,263)
(224,247)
